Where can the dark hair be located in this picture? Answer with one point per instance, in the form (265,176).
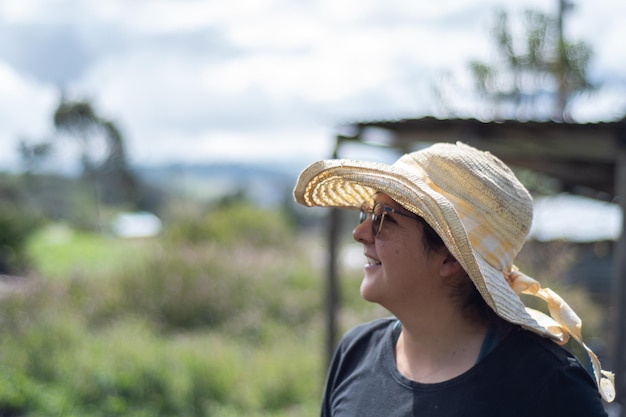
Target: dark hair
(463,290)
(431,240)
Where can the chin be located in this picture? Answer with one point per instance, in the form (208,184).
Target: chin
(369,293)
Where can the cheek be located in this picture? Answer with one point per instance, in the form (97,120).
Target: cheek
(406,247)
(402,252)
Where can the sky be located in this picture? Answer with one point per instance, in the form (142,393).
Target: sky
(200,81)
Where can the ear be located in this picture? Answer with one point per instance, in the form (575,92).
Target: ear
(450,266)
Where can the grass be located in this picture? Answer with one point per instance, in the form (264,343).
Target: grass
(60,252)
(149,328)
(129,369)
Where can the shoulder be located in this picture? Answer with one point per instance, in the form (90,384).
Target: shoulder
(367,339)
(367,333)
(542,352)
(360,347)
(530,354)
(553,376)
(370,327)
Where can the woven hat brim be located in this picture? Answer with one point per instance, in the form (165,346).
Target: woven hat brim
(508,304)
(348,183)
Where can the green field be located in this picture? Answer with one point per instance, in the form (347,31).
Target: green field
(113,327)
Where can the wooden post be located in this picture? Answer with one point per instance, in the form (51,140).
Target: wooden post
(332,283)
(332,293)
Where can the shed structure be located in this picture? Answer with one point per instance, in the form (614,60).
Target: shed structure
(585,158)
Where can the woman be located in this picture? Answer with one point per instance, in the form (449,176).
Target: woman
(440,230)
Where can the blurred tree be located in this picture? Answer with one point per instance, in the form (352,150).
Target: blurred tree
(32,155)
(18,220)
(102,153)
(539,75)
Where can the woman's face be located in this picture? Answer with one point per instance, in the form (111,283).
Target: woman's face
(399,270)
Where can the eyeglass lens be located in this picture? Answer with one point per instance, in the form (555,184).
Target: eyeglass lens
(377,219)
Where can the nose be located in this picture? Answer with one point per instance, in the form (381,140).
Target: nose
(362,233)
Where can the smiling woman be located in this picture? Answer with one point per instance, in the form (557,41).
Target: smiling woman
(440,231)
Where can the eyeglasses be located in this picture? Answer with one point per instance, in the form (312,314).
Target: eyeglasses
(378,215)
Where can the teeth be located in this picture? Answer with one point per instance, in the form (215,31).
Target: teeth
(372,261)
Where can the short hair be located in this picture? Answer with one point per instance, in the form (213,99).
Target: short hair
(463,290)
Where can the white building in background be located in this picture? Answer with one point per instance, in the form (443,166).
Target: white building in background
(136,225)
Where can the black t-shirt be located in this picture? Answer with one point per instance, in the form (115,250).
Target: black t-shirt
(525,375)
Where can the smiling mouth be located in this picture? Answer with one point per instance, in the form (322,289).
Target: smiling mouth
(372,261)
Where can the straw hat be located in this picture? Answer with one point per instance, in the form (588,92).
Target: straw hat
(480,210)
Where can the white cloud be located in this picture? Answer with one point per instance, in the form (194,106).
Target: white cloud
(16,11)
(25,113)
(202,74)
(229,145)
(607,103)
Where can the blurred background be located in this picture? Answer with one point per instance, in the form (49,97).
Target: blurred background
(152,261)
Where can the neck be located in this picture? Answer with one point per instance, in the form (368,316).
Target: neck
(438,347)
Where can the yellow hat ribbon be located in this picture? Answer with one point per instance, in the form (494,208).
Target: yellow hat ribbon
(563,323)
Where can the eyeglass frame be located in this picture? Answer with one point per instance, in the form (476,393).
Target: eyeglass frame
(378,220)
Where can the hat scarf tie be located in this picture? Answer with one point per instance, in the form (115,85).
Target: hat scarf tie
(562,323)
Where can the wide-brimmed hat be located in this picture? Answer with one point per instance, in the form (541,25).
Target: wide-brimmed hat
(480,210)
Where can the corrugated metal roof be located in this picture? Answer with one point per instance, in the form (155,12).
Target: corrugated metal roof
(579,155)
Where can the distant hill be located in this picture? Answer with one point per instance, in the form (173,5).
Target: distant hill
(264,183)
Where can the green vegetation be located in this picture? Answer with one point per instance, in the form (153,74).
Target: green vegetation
(60,252)
(15,227)
(220,316)
(228,324)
